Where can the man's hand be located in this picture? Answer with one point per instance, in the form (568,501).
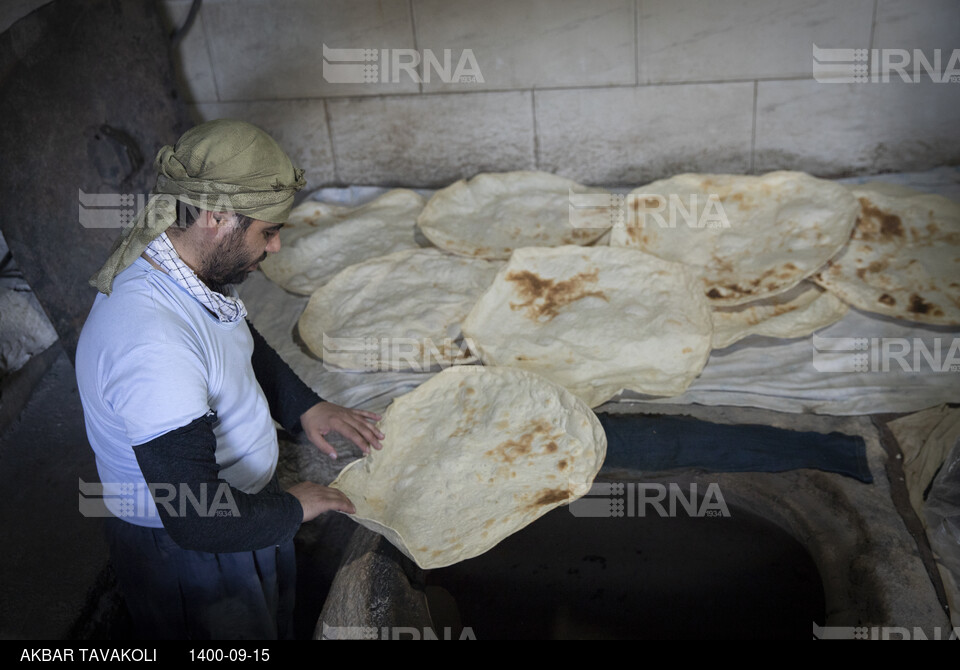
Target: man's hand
(354,424)
(316,499)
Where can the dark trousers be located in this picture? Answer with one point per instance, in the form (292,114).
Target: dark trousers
(175,593)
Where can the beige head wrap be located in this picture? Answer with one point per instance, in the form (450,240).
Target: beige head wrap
(220,166)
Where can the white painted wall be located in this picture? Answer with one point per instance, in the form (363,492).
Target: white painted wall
(615,92)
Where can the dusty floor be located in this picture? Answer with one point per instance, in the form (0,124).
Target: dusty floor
(54,555)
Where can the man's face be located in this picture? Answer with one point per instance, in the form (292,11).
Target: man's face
(238,253)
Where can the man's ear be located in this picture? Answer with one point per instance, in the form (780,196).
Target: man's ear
(219,224)
(208,220)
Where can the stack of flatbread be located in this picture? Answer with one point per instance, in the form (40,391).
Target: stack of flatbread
(748,245)
(596,320)
(624,316)
(754,241)
(320,240)
(563,322)
(491,215)
(795,313)
(903,259)
(401,311)
(752,237)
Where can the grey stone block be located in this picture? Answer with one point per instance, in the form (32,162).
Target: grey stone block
(631,136)
(431,140)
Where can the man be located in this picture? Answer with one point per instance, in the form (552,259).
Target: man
(179,396)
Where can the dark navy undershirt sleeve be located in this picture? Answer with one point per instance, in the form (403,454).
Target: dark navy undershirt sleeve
(286,393)
(183,461)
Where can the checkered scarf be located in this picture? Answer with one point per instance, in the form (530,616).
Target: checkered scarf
(228,308)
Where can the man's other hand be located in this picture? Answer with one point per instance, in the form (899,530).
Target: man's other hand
(354,424)
(316,499)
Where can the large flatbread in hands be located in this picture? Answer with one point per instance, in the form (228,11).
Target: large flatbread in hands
(800,311)
(903,259)
(492,214)
(321,239)
(470,457)
(401,311)
(751,237)
(596,320)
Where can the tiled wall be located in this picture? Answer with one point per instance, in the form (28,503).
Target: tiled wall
(613,92)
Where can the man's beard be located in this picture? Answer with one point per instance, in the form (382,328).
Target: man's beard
(228,264)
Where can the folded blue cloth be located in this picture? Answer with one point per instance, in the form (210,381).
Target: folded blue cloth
(657,442)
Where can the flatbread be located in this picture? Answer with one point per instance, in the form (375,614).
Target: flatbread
(321,239)
(751,237)
(492,214)
(800,311)
(595,320)
(903,259)
(401,311)
(470,457)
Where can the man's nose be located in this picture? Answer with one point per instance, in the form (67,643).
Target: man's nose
(274,245)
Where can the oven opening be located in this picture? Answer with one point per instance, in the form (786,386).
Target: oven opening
(734,575)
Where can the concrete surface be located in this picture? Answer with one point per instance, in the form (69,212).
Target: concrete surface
(53,556)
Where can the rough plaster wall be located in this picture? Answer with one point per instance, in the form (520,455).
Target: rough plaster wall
(12,11)
(606,91)
(87,98)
